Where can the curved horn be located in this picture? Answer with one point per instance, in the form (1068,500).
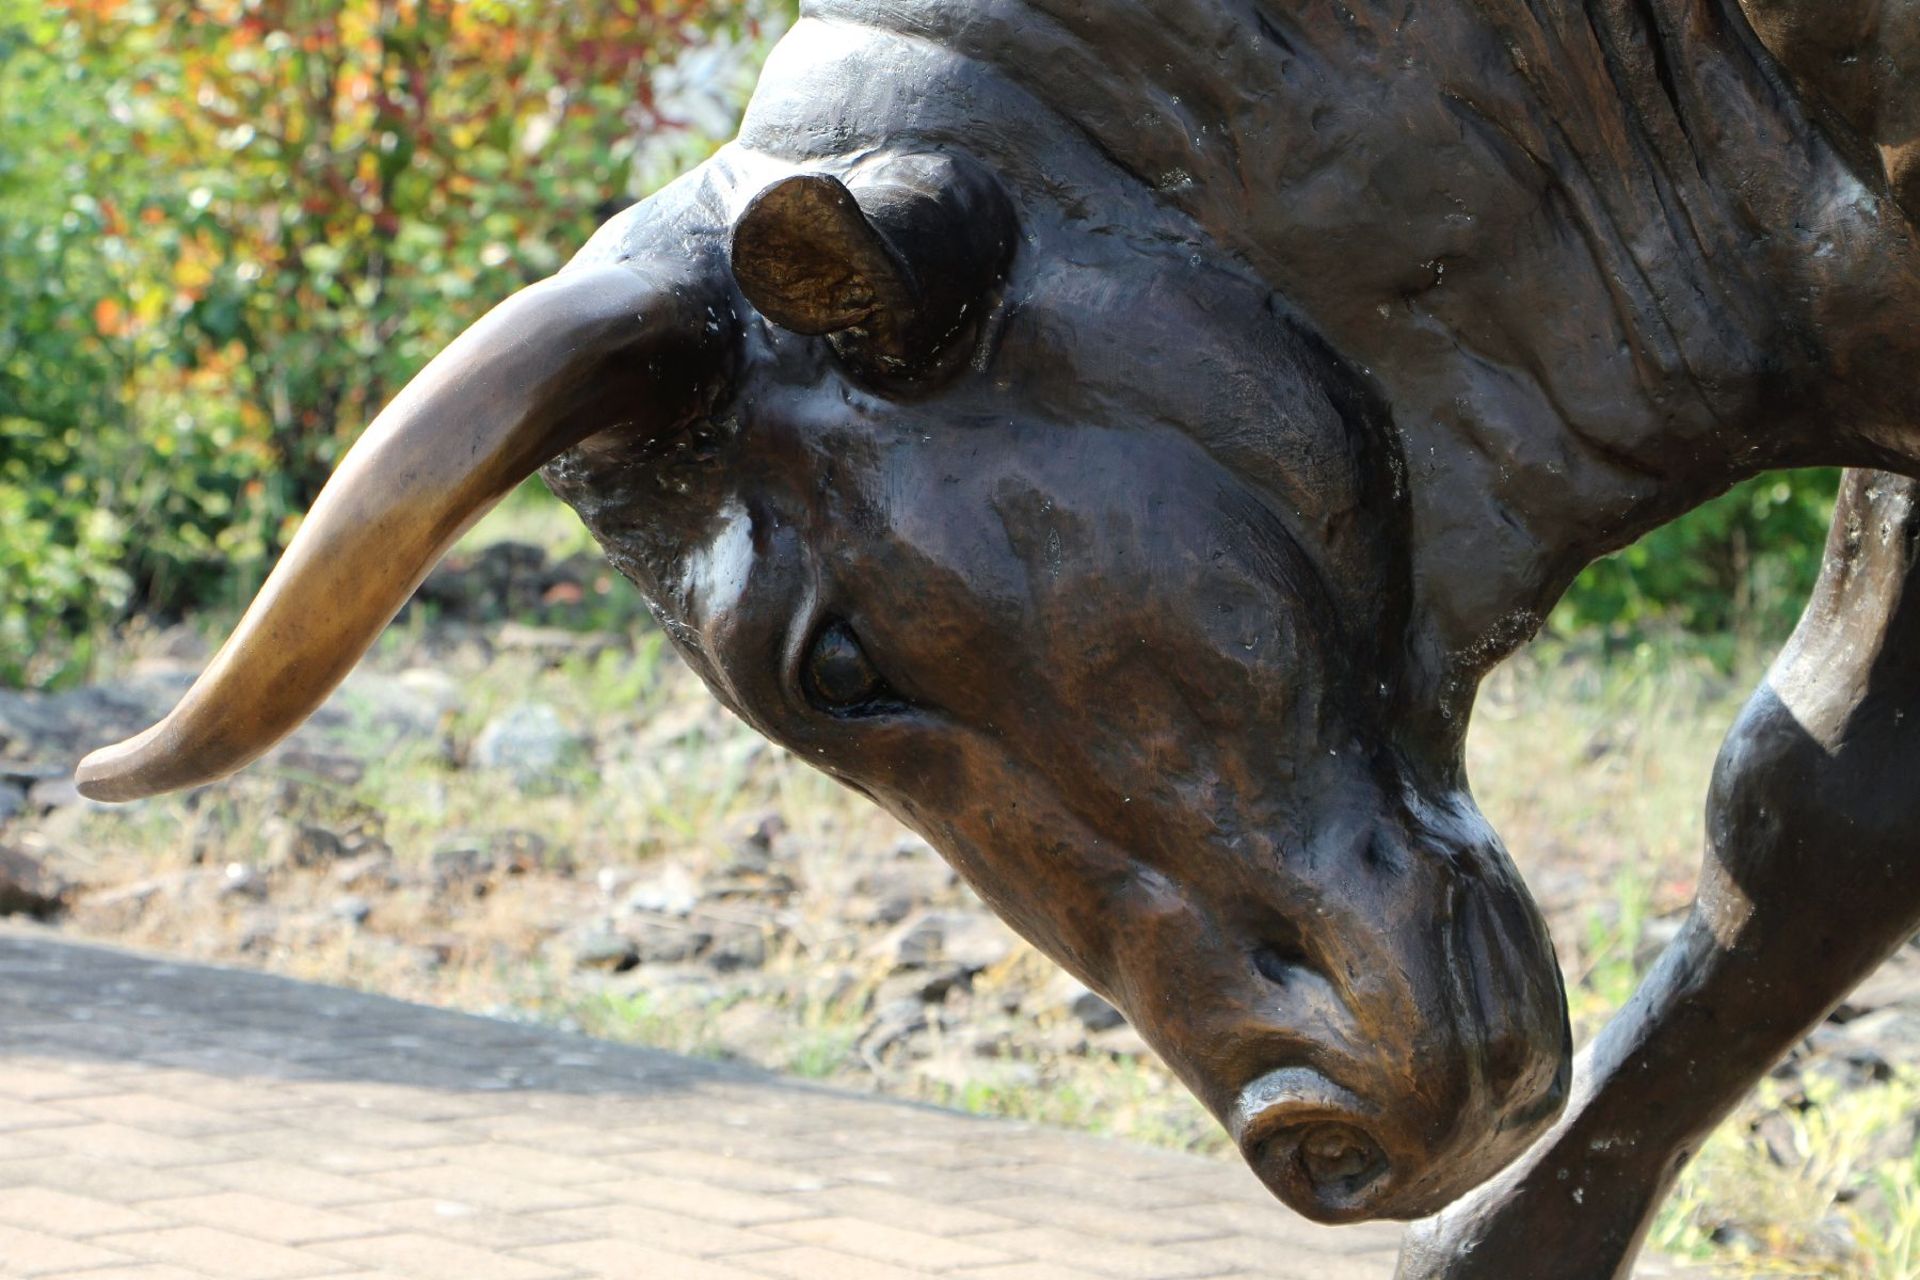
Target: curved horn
(551,365)
(892,263)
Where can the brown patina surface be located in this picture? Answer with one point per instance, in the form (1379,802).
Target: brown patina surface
(1118,439)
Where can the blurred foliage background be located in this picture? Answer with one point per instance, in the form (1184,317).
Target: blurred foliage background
(231,229)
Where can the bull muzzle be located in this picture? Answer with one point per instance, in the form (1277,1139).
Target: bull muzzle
(634,346)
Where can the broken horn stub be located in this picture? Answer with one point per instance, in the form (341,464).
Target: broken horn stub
(891,265)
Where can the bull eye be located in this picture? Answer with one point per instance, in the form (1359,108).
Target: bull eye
(1280,960)
(840,679)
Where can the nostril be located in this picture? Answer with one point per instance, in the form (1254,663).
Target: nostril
(1338,1155)
(1327,1169)
(1279,962)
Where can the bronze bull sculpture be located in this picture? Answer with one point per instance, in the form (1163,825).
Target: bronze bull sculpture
(1117,437)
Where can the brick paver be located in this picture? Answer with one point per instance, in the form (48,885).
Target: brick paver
(169,1121)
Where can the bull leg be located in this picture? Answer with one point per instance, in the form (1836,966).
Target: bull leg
(1809,882)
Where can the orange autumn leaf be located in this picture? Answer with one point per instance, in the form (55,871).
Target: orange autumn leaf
(110,318)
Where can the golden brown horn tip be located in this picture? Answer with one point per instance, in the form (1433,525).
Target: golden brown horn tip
(113,774)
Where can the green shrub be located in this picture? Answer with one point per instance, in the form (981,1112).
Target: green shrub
(61,542)
(230,231)
(1733,573)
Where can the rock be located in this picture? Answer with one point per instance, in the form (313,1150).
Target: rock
(210,828)
(671,891)
(973,940)
(1065,1039)
(529,741)
(24,773)
(1888,1033)
(238,880)
(908,878)
(1776,1134)
(136,895)
(912,874)
(521,853)
(49,794)
(258,933)
(550,642)
(29,887)
(1067,995)
(1833,1238)
(433,688)
(860,908)
(605,951)
(66,725)
(1828,1044)
(458,861)
(178,643)
(468,856)
(503,579)
(440,949)
(735,947)
(996,1041)
(1121,1043)
(117,909)
(743,884)
(929,986)
(368,841)
(368,872)
(891,1023)
(750,867)
(1895,984)
(1095,1014)
(829,985)
(302,763)
(13,800)
(300,845)
(662,939)
(752,850)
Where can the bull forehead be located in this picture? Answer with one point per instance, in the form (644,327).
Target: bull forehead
(1069,550)
(1018,550)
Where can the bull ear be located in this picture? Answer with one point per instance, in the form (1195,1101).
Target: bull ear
(893,265)
(808,259)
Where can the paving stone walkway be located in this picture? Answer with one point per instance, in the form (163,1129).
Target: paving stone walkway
(170,1121)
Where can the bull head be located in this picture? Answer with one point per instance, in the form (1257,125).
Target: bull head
(1053,530)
